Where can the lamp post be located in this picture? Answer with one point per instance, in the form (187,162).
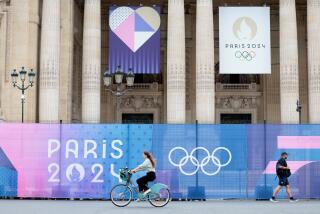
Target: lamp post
(22,87)
(299,109)
(118,77)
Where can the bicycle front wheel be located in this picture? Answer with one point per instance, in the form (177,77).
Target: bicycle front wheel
(121,195)
(160,199)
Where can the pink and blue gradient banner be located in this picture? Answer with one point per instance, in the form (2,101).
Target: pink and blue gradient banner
(292,143)
(83,161)
(26,148)
(63,161)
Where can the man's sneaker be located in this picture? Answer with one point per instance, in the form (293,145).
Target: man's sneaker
(273,199)
(138,200)
(293,200)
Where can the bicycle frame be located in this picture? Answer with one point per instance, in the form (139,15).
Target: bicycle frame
(132,186)
(154,196)
(155,189)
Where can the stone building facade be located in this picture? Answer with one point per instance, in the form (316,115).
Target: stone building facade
(66,42)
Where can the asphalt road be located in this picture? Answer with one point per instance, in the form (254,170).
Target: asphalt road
(210,207)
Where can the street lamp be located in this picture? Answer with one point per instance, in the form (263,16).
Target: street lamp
(118,77)
(130,78)
(299,109)
(14,78)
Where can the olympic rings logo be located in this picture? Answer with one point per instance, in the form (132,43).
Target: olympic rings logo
(200,164)
(245,55)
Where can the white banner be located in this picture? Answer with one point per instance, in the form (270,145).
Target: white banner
(244,34)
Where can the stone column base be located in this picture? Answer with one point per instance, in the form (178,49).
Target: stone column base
(1,116)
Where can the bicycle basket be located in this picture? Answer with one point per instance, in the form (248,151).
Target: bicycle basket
(124,174)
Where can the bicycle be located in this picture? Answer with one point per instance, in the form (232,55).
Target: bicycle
(121,195)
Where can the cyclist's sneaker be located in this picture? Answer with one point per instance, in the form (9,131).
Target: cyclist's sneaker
(141,197)
(273,199)
(146,192)
(293,199)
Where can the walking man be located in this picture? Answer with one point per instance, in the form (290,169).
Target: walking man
(283,172)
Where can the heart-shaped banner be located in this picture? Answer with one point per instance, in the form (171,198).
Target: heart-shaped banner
(134,27)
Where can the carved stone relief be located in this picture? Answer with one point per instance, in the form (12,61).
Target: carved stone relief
(140,104)
(236,102)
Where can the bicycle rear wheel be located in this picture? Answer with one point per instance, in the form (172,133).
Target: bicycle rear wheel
(121,195)
(160,199)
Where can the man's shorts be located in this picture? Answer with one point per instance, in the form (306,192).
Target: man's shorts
(283,181)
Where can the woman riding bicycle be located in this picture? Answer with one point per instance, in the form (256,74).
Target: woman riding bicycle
(158,195)
(148,165)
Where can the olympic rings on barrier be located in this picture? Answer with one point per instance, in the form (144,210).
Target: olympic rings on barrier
(245,55)
(200,164)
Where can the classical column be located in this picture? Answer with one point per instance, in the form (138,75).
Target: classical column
(176,83)
(2,55)
(289,74)
(314,60)
(66,60)
(15,53)
(91,67)
(49,61)
(33,53)
(205,89)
